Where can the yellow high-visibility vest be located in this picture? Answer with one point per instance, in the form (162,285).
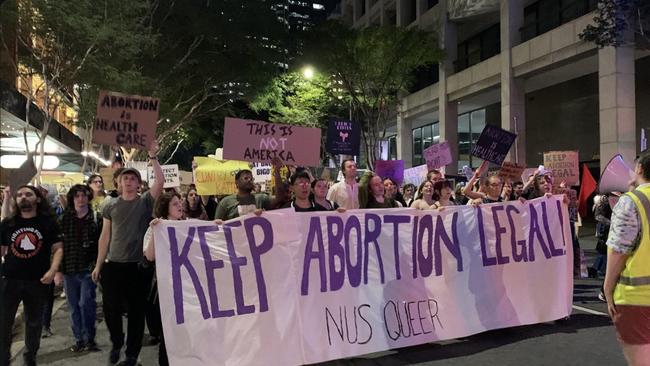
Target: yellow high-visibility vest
(633,287)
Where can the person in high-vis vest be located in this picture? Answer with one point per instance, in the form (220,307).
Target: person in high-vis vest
(627,281)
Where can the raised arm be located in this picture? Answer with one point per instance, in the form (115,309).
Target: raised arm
(157,187)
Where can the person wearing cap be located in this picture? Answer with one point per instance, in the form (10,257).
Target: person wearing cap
(125,221)
(627,280)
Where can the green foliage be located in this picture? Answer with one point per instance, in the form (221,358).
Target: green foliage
(374,67)
(620,22)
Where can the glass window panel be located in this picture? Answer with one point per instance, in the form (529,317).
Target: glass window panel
(427,137)
(417,142)
(549,15)
(436,133)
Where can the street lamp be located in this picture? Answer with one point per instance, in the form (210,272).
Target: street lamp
(308,72)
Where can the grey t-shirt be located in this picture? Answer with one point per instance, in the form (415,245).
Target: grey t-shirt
(129,222)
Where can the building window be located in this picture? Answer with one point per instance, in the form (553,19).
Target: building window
(392,147)
(478,48)
(545,15)
(423,137)
(470,126)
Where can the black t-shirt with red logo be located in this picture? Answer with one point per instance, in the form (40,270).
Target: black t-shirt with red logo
(30,246)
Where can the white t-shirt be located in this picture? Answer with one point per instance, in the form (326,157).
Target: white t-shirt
(345,195)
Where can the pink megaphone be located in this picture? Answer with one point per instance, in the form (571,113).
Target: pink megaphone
(616,176)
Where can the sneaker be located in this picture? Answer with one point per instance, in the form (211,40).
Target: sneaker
(601,297)
(77,347)
(114,356)
(92,347)
(47,332)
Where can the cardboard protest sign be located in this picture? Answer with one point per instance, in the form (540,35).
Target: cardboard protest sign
(511,171)
(186,178)
(416,175)
(437,155)
(125,120)
(213,176)
(390,169)
(262,172)
(294,288)
(564,165)
(343,137)
(259,141)
(170,172)
(493,144)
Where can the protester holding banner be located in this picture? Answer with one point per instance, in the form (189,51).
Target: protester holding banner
(425,199)
(538,184)
(443,192)
(193,206)
(124,225)
(319,192)
(243,202)
(627,281)
(168,207)
(391,191)
(372,194)
(80,235)
(346,192)
(32,248)
(300,186)
(408,190)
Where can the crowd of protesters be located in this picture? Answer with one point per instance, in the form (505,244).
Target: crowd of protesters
(105,238)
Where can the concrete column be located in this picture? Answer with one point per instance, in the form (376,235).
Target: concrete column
(404,140)
(448,110)
(513,96)
(616,99)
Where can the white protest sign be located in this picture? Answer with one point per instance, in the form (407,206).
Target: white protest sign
(170,172)
(416,175)
(262,172)
(290,288)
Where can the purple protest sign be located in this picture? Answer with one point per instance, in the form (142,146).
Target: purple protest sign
(390,169)
(259,141)
(493,144)
(437,155)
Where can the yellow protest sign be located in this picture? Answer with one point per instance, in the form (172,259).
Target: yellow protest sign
(213,176)
(62,182)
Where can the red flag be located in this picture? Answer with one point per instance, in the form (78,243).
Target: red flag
(587,187)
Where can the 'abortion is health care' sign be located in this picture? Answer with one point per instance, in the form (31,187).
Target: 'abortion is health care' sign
(290,288)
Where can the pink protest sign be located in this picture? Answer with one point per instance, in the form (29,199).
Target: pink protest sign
(125,120)
(260,141)
(390,169)
(437,155)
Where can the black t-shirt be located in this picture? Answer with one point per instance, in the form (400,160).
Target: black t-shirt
(319,207)
(30,246)
(292,204)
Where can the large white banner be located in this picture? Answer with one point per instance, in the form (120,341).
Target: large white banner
(291,288)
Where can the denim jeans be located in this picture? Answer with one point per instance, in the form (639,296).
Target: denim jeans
(33,295)
(80,293)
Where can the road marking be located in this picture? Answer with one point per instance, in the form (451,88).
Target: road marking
(589,310)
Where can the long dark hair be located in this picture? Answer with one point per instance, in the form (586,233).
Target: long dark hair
(73,192)
(43,207)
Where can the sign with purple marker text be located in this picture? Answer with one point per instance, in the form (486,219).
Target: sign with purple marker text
(125,120)
(493,144)
(437,155)
(259,141)
(288,288)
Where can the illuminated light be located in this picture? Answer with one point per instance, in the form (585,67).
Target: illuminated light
(15,161)
(308,72)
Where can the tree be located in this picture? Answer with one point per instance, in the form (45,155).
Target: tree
(374,67)
(619,22)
